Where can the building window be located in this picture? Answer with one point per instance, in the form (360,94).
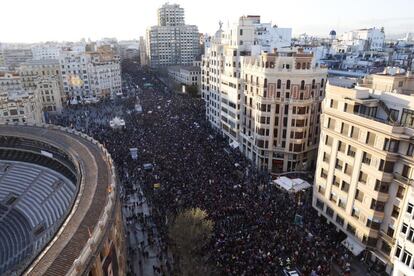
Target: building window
(345,186)
(400,192)
(324,173)
(331,123)
(288,84)
(404,228)
(341,146)
(340,220)
(351,151)
(302,85)
(319,204)
(398,251)
(406,257)
(366,158)
(410,208)
(410,235)
(339,164)
(351,229)
(344,129)
(406,171)
(386,248)
(410,151)
(363,177)
(386,166)
(354,132)
(359,195)
(395,212)
(390,231)
(355,213)
(370,138)
(279,84)
(329,211)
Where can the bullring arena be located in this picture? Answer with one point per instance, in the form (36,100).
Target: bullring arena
(60,212)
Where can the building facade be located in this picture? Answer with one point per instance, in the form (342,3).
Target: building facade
(90,75)
(12,58)
(263,96)
(363,181)
(143,52)
(44,77)
(281,106)
(20,107)
(46,52)
(172,42)
(49,92)
(186,75)
(372,39)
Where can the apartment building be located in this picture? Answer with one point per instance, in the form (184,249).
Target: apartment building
(143,58)
(48,90)
(280,109)
(172,42)
(364,176)
(44,77)
(263,95)
(370,39)
(90,74)
(11,82)
(20,107)
(46,52)
(12,58)
(186,75)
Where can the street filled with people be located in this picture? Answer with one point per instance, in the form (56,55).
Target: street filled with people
(183,163)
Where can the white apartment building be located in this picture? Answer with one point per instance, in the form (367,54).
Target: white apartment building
(364,176)
(90,74)
(371,39)
(105,72)
(143,52)
(46,52)
(12,58)
(186,75)
(172,42)
(262,95)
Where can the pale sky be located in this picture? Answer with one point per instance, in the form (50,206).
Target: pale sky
(71,20)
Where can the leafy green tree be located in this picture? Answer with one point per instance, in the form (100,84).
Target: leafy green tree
(189,233)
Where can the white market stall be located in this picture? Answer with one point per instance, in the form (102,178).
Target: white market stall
(291,185)
(117,123)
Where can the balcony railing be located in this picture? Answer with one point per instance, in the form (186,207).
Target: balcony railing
(402,179)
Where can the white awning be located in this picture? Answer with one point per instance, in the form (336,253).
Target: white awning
(117,123)
(234,144)
(292,185)
(353,246)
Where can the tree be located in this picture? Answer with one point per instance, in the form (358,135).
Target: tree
(190,232)
(192,90)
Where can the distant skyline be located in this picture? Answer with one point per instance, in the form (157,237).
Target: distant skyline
(56,20)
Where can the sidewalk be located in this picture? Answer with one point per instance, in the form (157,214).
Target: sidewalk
(142,256)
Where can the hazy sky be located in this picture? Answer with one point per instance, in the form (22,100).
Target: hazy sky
(45,20)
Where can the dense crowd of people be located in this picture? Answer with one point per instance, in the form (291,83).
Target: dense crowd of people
(255,231)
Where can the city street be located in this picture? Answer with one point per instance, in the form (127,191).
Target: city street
(196,168)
